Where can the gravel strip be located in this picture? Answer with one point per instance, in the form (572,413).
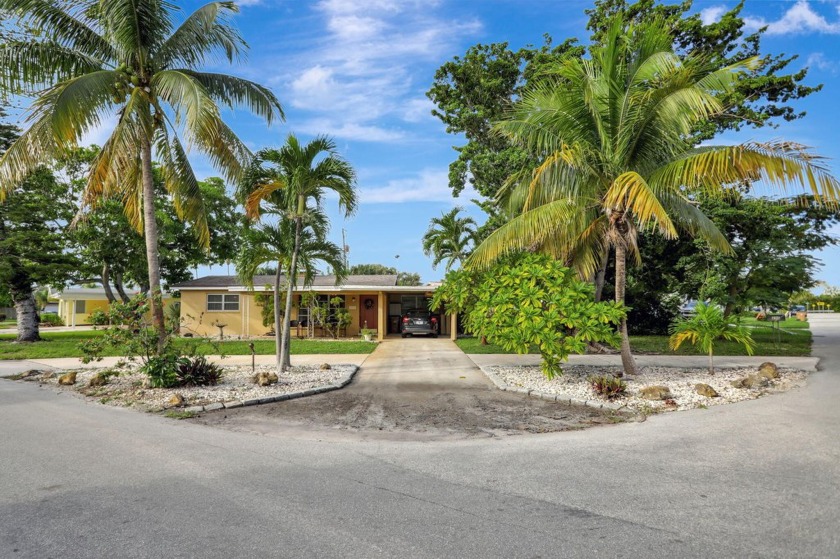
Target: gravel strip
(130,387)
(573,385)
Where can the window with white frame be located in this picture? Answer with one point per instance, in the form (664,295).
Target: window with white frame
(81,307)
(222,302)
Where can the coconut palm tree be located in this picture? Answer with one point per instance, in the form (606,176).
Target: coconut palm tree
(293,180)
(611,131)
(449,238)
(266,243)
(95,60)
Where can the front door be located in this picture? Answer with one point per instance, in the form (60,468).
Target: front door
(369,311)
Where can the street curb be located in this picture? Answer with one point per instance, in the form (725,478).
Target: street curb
(215,406)
(562,398)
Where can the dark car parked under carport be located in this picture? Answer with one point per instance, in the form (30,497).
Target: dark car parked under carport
(419,322)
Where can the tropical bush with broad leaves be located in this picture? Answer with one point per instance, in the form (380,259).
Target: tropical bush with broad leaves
(531,300)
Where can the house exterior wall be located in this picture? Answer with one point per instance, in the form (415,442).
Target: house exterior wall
(196,319)
(67,307)
(68,314)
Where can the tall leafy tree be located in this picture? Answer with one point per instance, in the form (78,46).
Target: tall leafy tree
(294,180)
(94,59)
(403,278)
(472,91)
(449,238)
(32,241)
(771,252)
(611,132)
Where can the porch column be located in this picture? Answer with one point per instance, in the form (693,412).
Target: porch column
(453,326)
(382,326)
(73,313)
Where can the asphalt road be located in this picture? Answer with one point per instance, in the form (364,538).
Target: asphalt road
(754,479)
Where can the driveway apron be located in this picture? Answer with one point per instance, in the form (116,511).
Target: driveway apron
(419,364)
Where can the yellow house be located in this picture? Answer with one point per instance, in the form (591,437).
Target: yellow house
(215,304)
(76,304)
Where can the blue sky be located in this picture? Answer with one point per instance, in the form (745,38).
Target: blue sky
(358,71)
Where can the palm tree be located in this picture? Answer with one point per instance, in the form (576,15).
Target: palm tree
(449,238)
(611,132)
(266,243)
(707,325)
(295,184)
(95,59)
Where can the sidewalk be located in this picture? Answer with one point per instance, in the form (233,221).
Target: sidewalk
(11,367)
(686,361)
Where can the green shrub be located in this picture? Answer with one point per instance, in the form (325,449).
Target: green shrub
(531,301)
(198,372)
(51,319)
(608,386)
(99,318)
(163,370)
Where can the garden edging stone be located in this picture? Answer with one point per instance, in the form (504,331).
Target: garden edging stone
(279,398)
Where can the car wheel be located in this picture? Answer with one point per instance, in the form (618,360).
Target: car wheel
(405,336)
(434,335)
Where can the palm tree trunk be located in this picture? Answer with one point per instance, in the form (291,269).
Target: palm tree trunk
(151,235)
(27,316)
(292,280)
(277,324)
(711,362)
(620,283)
(600,275)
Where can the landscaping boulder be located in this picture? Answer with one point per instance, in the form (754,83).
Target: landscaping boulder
(175,400)
(326,366)
(29,373)
(705,390)
(655,392)
(265,379)
(99,379)
(67,379)
(768,370)
(751,382)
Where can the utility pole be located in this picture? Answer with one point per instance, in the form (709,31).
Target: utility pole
(345,249)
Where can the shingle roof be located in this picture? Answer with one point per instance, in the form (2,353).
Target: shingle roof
(220,282)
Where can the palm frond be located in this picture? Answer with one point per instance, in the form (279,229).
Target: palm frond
(205,32)
(26,68)
(61,26)
(233,91)
(630,191)
(527,230)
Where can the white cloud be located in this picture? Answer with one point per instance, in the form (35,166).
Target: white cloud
(712,14)
(363,73)
(417,110)
(349,130)
(431,185)
(800,18)
(818,60)
(248,2)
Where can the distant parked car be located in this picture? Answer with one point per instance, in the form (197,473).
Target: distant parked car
(419,322)
(688,308)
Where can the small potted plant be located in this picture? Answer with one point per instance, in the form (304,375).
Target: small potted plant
(367,334)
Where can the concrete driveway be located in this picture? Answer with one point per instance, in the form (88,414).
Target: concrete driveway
(754,479)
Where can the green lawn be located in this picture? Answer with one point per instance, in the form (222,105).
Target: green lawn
(794,339)
(8,324)
(65,344)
